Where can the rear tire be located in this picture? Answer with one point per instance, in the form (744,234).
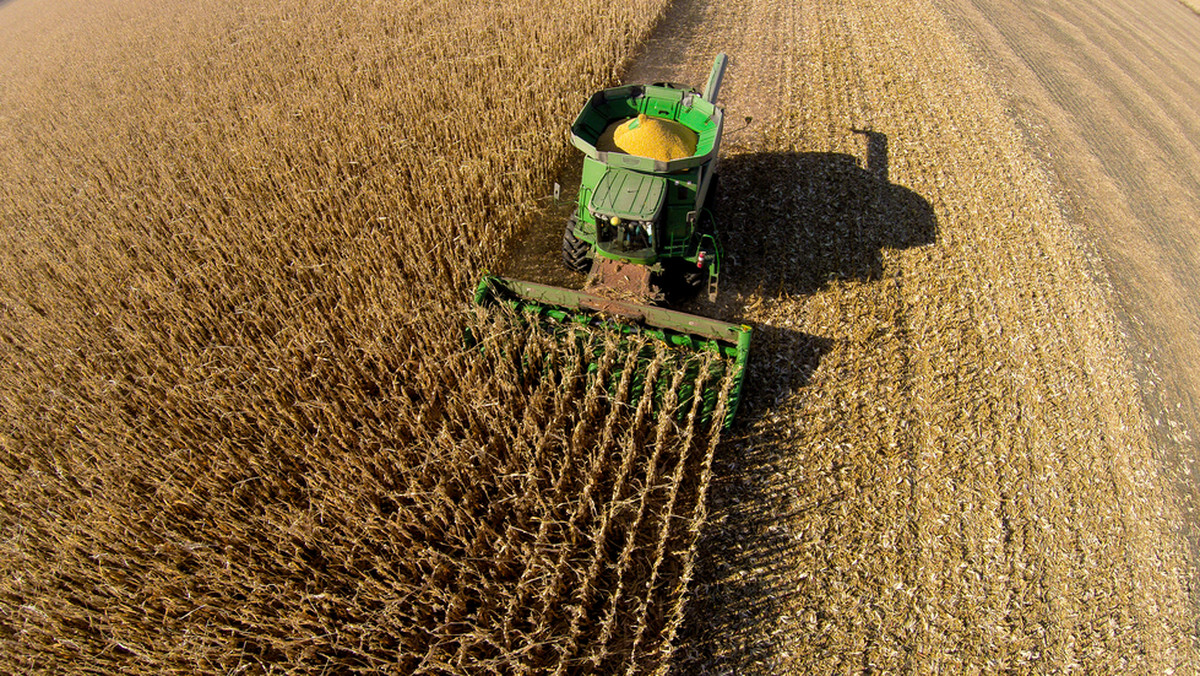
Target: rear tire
(575,251)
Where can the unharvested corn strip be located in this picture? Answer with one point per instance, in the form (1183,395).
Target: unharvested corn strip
(565,313)
(591,401)
(686,445)
(596,469)
(625,559)
(586,587)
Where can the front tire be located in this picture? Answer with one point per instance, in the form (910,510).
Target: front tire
(682,281)
(575,251)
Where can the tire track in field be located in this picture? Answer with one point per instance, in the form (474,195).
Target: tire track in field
(944,464)
(1106,100)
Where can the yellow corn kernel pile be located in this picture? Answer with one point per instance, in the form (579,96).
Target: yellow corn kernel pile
(651,137)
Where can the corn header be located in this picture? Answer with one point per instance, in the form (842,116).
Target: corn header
(642,229)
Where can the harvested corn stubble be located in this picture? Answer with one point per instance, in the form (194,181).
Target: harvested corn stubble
(652,137)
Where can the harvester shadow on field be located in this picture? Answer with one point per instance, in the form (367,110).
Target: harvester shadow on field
(793,224)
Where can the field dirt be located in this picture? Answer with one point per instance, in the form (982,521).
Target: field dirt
(1106,100)
(250,421)
(952,457)
(241,429)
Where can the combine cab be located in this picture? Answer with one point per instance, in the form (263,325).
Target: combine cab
(642,229)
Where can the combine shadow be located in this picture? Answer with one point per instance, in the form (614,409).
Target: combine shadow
(793,223)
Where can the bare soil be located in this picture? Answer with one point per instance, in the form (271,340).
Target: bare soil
(1106,99)
(961,231)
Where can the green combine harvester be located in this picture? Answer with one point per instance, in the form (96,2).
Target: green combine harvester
(642,229)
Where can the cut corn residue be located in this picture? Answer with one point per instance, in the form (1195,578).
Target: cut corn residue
(652,137)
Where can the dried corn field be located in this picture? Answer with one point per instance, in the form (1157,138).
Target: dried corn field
(948,463)
(241,430)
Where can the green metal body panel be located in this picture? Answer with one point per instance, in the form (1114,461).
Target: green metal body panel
(628,195)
